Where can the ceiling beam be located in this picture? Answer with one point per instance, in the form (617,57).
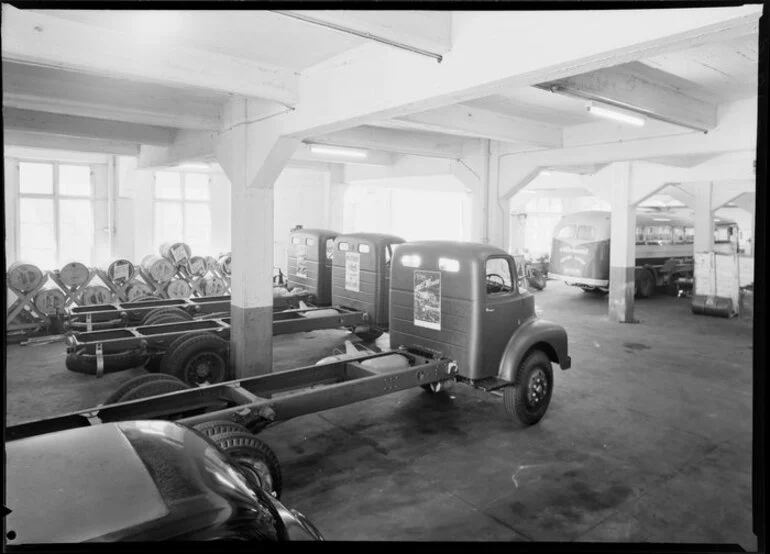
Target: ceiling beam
(371,83)
(480,123)
(36,38)
(397,141)
(428,31)
(641,89)
(85,127)
(188,146)
(71,144)
(72,93)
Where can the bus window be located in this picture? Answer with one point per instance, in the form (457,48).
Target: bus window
(586,232)
(679,235)
(566,232)
(640,235)
(723,234)
(689,235)
(661,234)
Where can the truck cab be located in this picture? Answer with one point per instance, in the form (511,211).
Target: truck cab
(309,263)
(462,301)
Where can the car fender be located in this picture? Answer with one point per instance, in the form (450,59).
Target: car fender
(534,331)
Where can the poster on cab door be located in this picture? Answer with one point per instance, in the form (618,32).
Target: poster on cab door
(301,251)
(427,299)
(353,271)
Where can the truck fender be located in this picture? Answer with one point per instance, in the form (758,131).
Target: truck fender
(548,336)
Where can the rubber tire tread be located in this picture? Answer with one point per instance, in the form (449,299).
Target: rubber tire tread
(238,444)
(220,427)
(513,395)
(175,361)
(135,382)
(121,361)
(154,388)
(174,345)
(152,315)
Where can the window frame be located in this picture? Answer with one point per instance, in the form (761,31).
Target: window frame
(512,275)
(55,197)
(182,202)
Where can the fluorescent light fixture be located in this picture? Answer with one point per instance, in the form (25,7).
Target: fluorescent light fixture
(546,172)
(717,219)
(412,260)
(333,151)
(615,115)
(660,219)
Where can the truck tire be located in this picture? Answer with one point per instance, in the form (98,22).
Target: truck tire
(367,334)
(526,401)
(536,279)
(646,285)
(153,315)
(81,362)
(163,366)
(255,457)
(201,358)
(220,427)
(115,397)
(153,388)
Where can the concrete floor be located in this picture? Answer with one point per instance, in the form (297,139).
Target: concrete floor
(647,439)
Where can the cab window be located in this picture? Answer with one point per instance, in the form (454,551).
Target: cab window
(586,232)
(566,232)
(329,249)
(388,254)
(498,276)
(295,240)
(310,241)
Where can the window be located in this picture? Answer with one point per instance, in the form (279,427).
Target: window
(344,247)
(56,222)
(498,275)
(310,241)
(295,240)
(329,249)
(364,248)
(566,232)
(586,232)
(679,235)
(640,235)
(689,235)
(182,210)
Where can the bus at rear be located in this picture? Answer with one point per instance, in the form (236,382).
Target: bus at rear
(580,252)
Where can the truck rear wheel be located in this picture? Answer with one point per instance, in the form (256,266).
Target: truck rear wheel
(132,384)
(367,334)
(200,359)
(646,284)
(220,427)
(527,400)
(257,458)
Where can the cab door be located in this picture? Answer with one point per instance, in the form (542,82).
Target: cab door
(502,310)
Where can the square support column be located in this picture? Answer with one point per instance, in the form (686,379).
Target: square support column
(704,217)
(622,246)
(253,156)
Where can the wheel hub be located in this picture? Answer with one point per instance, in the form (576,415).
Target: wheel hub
(537,388)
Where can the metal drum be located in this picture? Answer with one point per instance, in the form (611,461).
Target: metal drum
(197,266)
(74,275)
(50,301)
(178,253)
(177,288)
(138,289)
(96,294)
(24,276)
(121,271)
(224,264)
(160,269)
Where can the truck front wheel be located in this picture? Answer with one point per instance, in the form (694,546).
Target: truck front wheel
(526,401)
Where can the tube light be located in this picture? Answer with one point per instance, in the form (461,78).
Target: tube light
(193,167)
(331,151)
(615,115)
(660,219)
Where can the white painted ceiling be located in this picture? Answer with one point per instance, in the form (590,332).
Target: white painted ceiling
(258,35)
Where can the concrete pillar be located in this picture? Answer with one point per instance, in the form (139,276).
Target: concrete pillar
(253,156)
(704,218)
(622,246)
(518,232)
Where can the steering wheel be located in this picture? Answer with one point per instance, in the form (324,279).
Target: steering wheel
(492,285)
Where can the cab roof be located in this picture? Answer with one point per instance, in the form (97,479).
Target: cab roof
(456,249)
(316,232)
(370,237)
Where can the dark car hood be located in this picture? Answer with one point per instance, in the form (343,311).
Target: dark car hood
(139,480)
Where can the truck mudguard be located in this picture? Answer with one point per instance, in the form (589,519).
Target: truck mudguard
(534,331)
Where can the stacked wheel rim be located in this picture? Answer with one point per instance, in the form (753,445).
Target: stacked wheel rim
(198,266)
(74,275)
(24,276)
(96,294)
(121,271)
(160,269)
(224,264)
(50,301)
(178,253)
(137,290)
(178,288)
